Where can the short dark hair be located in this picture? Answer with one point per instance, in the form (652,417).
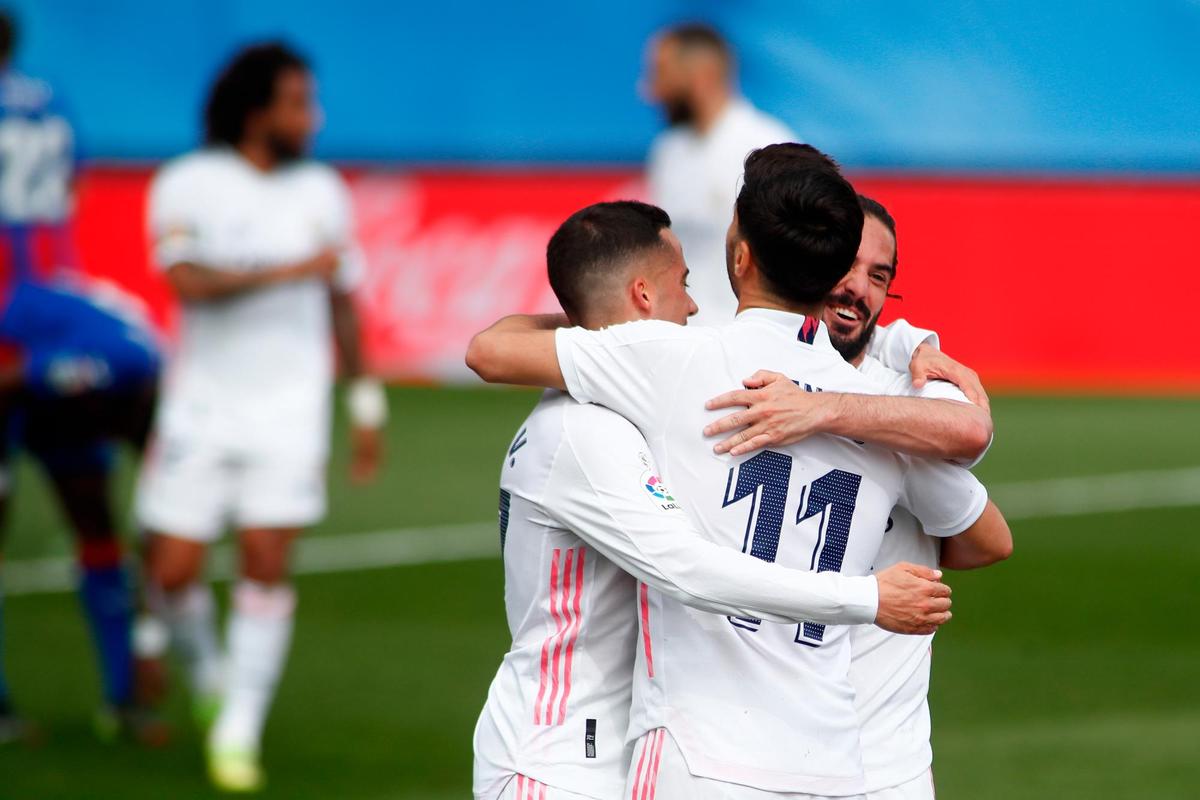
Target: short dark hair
(595,243)
(873,208)
(801,219)
(247,83)
(8,35)
(698,36)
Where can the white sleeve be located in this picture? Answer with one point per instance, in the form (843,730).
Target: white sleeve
(174,217)
(945,497)
(940,390)
(600,488)
(339,233)
(894,344)
(633,369)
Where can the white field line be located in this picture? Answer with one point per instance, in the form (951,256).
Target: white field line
(1038,499)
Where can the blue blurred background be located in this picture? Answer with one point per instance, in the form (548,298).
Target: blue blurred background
(1032,86)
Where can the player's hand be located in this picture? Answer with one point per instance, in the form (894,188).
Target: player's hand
(777,412)
(321,266)
(928,363)
(912,599)
(366,446)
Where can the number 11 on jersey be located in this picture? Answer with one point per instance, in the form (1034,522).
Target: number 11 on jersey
(765,479)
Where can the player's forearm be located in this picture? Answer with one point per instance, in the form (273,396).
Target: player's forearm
(346,333)
(986,542)
(518,349)
(920,427)
(670,556)
(195,283)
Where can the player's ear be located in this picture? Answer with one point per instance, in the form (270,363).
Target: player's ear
(742,258)
(642,295)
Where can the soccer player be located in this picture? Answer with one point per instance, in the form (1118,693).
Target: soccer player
(257,242)
(581,505)
(747,708)
(694,165)
(77,376)
(890,673)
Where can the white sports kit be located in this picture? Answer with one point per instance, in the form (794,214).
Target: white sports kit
(242,431)
(753,704)
(890,672)
(583,513)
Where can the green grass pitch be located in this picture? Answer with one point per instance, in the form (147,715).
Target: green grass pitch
(1069,672)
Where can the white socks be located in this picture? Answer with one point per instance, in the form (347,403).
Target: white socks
(259,632)
(191,617)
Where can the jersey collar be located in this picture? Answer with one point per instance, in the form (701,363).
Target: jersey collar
(807,330)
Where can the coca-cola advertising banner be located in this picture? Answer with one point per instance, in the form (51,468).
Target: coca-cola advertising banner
(1035,283)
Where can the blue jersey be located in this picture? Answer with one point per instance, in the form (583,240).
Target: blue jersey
(73,343)
(37,167)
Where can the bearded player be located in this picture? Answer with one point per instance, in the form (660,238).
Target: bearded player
(257,242)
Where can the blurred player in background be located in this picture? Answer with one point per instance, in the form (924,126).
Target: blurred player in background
(694,165)
(77,374)
(257,241)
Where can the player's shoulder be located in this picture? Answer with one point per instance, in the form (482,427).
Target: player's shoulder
(900,384)
(317,177)
(755,123)
(648,330)
(198,167)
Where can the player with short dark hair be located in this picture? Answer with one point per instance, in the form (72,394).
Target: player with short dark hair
(257,240)
(596,242)
(890,673)
(799,217)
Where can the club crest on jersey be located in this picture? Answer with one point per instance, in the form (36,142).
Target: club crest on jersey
(659,491)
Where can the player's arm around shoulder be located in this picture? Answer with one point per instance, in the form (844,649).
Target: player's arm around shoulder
(776,412)
(518,349)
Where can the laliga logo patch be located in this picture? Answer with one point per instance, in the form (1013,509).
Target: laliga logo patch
(659,491)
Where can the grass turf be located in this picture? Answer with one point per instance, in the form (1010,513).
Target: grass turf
(1068,672)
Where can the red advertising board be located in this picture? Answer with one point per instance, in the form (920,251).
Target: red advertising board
(1033,282)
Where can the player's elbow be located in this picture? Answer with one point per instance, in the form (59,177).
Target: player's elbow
(483,356)
(974,438)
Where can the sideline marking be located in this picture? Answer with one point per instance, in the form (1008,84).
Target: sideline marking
(315,555)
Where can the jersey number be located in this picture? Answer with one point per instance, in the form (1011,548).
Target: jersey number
(35,169)
(833,496)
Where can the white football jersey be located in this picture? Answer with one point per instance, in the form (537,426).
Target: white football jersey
(582,509)
(694,177)
(749,701)
(257,365)
(890,672)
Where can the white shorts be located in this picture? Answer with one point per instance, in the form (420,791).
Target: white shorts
(194,490)
(522,788)
(658,771)
(919,788)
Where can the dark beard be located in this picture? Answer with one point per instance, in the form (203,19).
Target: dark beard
(284,151)
(852,348)
(679,111)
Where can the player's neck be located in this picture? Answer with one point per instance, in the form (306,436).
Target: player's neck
(754,298)
(709,110)
(258,154)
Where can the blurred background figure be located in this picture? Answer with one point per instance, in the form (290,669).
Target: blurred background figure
(77,375)
(694,165)
(256,240)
